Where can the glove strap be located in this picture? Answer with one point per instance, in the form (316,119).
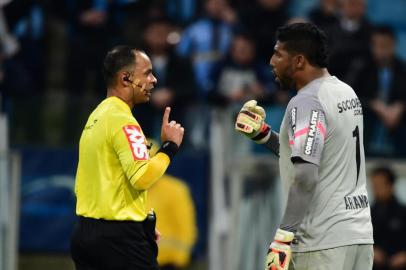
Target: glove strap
(263,134)
(284,237)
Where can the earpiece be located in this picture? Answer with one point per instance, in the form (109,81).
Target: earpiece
(135,83)
(127,79)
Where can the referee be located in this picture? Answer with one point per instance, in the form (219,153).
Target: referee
(114,230)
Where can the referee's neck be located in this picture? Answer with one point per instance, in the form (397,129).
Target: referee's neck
(112,92)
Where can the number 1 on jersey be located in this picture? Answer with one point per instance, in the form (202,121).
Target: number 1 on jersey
(355,133)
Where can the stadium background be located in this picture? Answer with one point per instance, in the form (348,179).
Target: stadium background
(50,59)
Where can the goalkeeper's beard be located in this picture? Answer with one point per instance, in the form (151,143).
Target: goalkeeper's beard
(285,82)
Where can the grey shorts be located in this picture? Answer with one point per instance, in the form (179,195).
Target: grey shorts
(354,257)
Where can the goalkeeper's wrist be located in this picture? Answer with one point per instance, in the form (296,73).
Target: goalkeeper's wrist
(284,237)
(263,134)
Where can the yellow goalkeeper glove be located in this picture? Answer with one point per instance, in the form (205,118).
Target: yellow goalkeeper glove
(279,252)
(251,122)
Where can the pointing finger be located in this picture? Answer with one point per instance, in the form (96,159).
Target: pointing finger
(165,118)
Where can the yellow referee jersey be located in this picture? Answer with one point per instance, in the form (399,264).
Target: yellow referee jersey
(114,169)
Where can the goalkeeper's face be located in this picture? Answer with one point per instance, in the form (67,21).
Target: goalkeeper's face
(282,63)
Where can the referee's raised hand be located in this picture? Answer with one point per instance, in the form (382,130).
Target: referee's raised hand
(171,131)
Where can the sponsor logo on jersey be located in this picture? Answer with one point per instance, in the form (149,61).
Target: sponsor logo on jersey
(311,133)
(353,104)
(356,202)
(137,142)
(293,119)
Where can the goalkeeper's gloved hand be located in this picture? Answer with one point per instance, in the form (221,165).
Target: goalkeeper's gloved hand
(279,252)
(251,122)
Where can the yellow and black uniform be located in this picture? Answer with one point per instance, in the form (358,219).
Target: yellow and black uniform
(113,175)
(114,170)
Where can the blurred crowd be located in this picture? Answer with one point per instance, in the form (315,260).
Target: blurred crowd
(205,54)
(389,221)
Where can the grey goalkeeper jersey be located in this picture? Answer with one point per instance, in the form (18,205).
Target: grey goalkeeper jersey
(323,124)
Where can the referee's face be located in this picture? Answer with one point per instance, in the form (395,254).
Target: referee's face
(282,66)
(147,80)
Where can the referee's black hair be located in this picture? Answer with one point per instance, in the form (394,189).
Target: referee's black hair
(389,174)
(116,59)
(306,39)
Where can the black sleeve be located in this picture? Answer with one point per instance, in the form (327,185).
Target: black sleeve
(300,195)
(273,143)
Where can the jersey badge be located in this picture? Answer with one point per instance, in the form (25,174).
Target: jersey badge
(137,142)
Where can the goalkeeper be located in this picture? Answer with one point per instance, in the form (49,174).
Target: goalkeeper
(327,223)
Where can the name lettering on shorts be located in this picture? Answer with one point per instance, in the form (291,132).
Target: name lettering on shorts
(356,202)
(311,133)
(137,142)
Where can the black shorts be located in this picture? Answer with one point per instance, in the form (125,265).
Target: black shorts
(119,245)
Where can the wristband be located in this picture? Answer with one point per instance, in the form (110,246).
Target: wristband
(170,148)
(284,237)
(263,135)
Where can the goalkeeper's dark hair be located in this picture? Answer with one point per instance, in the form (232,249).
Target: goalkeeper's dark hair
(387,172)
(118,58)
(306,39)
